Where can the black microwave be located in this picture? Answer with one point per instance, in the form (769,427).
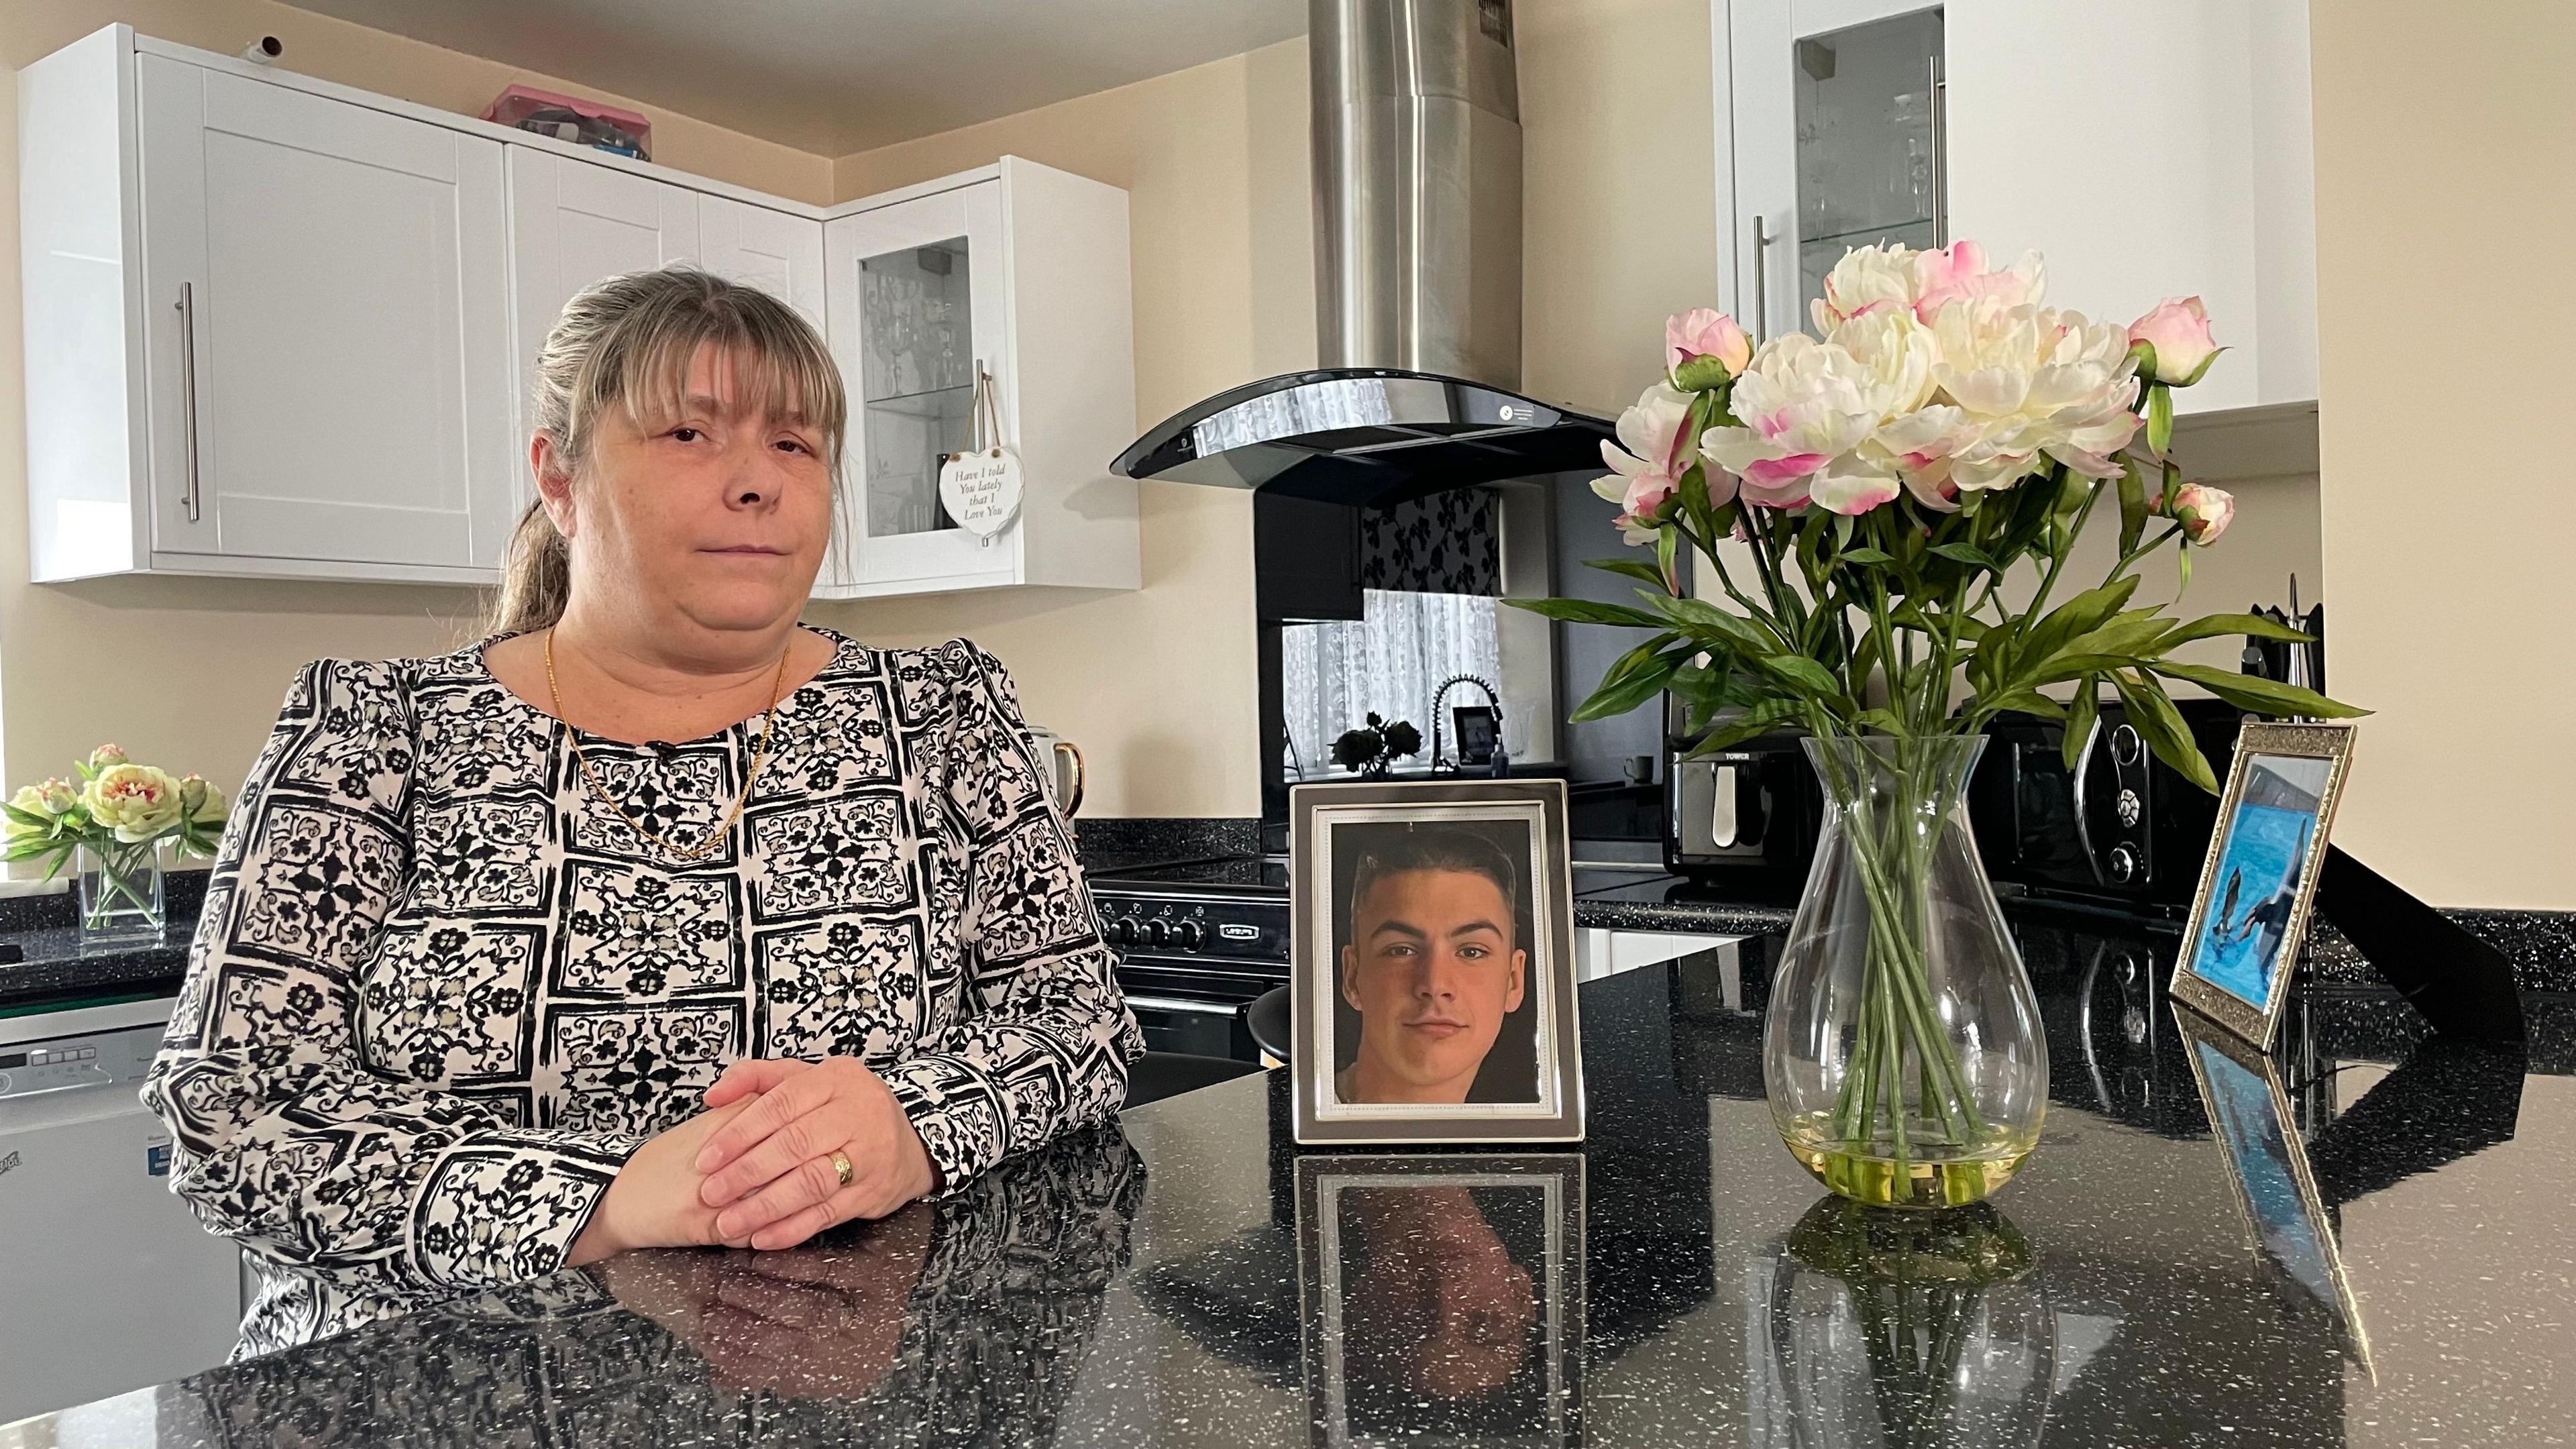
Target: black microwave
(2121,825)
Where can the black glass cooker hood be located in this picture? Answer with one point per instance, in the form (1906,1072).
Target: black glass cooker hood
(1364,436)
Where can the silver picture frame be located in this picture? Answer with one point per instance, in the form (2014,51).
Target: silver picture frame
(2240,947)
(1327,824)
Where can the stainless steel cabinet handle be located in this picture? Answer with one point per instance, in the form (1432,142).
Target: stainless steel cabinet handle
(1940,153)
(188,389)
(1761,282)
(1174,1003)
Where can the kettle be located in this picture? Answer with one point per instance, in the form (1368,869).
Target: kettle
(1063,760)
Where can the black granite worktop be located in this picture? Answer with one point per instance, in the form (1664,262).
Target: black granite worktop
(1191,1278)
(54,969)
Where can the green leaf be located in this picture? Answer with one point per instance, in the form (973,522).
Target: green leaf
(2159,418)
(1587,611)
(2079,615)
(1636,659)
(2133,507)
(2030,701)
(2081,718)
(2071,665)
(1668,547)
(1637,569)
(2161,725)
(1884,721)
(1867,555)
(1617,697)
(1758,719)
(2263,696)
(1969,554)
(2133,632)
(2221,626)
(1805,673)
(28,818)
(1702,617)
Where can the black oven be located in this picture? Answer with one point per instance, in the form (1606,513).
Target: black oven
(1198,943)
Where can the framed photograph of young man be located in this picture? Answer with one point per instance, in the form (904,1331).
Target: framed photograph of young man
(1432,969)
(2241,946)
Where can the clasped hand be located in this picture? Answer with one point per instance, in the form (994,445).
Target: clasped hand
(756,1169)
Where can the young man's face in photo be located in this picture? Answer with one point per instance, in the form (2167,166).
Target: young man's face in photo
(1432,969)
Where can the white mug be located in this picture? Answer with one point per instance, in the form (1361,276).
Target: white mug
(1064,768)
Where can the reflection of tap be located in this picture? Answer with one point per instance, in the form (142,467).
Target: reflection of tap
(1502,758)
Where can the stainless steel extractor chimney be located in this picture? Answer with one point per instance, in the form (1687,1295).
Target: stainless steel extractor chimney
(1417,144)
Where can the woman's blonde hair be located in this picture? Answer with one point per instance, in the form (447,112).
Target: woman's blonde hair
(628,342)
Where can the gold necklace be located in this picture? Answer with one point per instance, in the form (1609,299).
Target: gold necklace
(760,756)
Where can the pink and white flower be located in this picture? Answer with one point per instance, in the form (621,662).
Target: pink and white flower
(2178,331)
(1802,407)
(1704,335)
(1654,450)
(2038,383)
(1959,273)
(2204,512)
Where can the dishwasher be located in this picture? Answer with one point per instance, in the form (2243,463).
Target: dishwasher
(107,1282)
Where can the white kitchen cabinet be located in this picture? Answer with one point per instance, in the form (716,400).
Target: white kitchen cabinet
(267,330)
(765,248)
(1019,273)
(2146,153)
(575,222)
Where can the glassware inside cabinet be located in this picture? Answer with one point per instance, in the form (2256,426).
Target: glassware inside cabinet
(916,383)
(1869,139)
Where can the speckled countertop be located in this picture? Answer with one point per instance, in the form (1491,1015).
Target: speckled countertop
(1193,1279)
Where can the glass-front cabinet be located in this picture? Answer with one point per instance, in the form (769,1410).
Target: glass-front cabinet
(1839,142)
(917,319)
(981,310)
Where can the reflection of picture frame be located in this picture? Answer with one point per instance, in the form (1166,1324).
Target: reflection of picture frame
(2250,1115)
(2242,944)
(1443,1299)
(1432,964)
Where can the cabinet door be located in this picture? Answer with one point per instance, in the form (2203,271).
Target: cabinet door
(1837,144)
(572,224)
(327,306)
(780,254)
(916,300)
(2209,199)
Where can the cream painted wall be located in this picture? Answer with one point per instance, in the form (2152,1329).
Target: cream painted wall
(2452,585)
(1619,161)
(188,673)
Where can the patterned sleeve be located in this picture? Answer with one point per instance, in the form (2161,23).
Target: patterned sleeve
(285,1139)
(1041,1041)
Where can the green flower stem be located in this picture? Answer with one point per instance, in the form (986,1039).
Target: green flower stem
(122,867)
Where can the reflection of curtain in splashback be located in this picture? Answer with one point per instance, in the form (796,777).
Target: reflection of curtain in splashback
(1448,543)
(1333,675)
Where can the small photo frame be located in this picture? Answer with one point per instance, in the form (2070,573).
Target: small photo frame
(1432,964)
(2241,946)
(2250,1115)
(1443,1299)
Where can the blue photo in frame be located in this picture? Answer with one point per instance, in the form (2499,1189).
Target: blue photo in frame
(2242,944)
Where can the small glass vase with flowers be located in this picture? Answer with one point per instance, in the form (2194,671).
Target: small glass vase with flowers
(110,824)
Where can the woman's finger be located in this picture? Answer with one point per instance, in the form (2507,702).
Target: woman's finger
(791,1099)
(816,1134)
(811,1182)
(796,1227)
(753,1075)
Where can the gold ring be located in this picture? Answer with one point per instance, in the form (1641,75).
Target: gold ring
(841,1168)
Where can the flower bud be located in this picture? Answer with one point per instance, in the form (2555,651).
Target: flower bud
(2177,336)
(1704,348)
(2203,511)
(106,755)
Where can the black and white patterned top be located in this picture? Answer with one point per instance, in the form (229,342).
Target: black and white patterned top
(441,990)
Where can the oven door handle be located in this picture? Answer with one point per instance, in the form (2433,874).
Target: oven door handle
(1175,1003)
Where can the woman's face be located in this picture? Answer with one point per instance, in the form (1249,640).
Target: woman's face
(712,516)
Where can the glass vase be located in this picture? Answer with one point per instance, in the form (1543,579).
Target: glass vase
(1902,1051)
(120,896)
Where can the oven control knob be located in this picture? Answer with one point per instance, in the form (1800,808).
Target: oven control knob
(2130,808)
(1158,932)
(2124,864)
(1122,932)
(2125,745)
(1193,935)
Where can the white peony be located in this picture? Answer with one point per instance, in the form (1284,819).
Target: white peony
(2038,383)
(1803,406)
(139,802)
(1646,471)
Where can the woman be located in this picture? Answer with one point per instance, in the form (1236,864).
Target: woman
(493,977)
